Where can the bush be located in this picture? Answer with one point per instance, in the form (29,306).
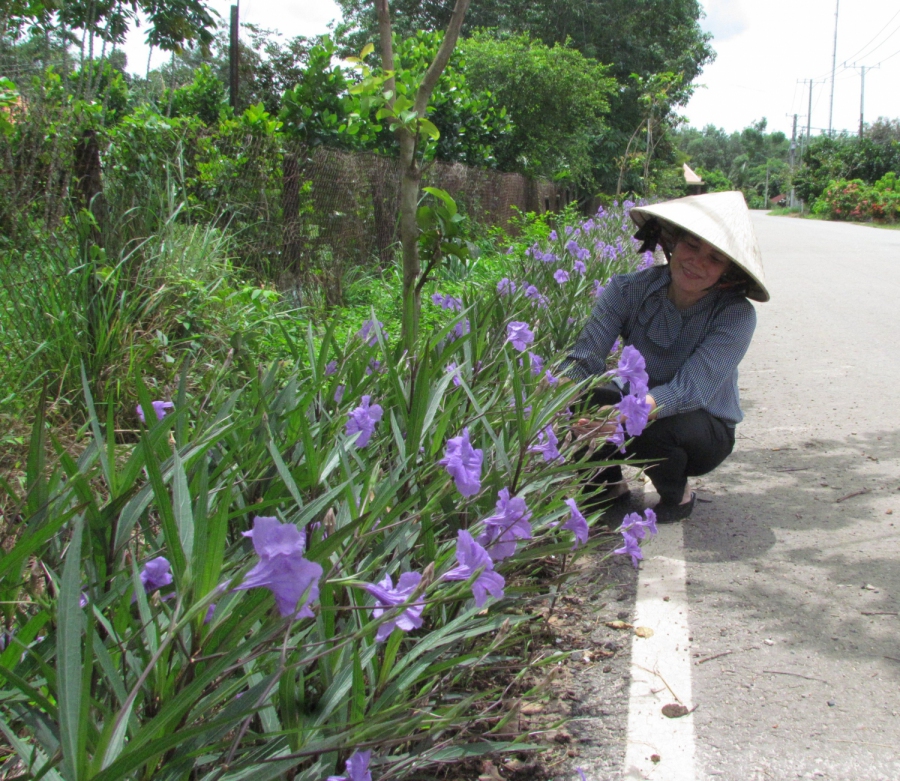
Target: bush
(855,200)
(122,665)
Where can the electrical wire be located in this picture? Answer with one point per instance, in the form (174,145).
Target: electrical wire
(874,37)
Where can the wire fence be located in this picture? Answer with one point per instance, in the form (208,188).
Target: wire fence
(297,215)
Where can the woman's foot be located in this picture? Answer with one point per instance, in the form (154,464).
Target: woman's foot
(672,513)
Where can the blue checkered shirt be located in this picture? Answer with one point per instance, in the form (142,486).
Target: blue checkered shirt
(692,354)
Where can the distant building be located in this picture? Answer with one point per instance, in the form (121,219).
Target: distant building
(778,200)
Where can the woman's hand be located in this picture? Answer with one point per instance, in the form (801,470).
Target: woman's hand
(602,426)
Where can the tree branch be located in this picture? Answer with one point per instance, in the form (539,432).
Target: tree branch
(441,58)
(387,46)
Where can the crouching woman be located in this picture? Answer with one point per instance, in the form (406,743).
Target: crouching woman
(692,322)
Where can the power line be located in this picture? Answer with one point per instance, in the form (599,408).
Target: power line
(850,57)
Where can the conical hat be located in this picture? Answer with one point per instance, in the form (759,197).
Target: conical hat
(723,220)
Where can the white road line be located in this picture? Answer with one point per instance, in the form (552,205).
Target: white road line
(661,666)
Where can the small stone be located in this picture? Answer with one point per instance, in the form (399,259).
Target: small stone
(622,615)
(831,703)
(607,669)
(655,758)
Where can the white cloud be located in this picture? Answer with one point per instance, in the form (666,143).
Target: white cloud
(724,19)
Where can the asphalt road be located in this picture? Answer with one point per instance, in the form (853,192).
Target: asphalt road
(793,560)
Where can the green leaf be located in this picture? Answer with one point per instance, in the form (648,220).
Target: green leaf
(430,128)
(70,620)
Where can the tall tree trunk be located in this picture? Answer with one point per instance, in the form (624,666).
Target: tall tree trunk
(410,172)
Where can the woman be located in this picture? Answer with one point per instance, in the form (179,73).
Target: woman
(692,322)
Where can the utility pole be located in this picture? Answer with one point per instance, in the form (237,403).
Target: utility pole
(833,64)
(793,146)
(862,91)
(233,60)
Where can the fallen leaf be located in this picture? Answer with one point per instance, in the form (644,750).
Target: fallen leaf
(531,708)
(674,710)
(643,631)
(619,625)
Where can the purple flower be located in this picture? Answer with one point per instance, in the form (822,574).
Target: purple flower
(630,548)
(577,769)
(551,380)
(369,332)
(510,251)
(576,523)
(561,275)
(587,225)
(459,330)
(210,612)
(374,366)
(635,526)
(549,257)
(633,370)
(598,288)
(363,420)
(648,260)
(617,438)
(553,236)
(532,292)
(463,462)
(636,411)
(357,768)
(511,522)
(572,247)
(161,408)
(330,368)
(339,394)
(389,597)
(281,567)
(506,287)
(156,574)
(546,445)
(537,363)
(447,302)
(519,335)
(579,266)
(83,600)
(452,367)
(472,557)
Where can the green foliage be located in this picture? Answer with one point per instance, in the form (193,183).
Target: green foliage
(316,109)
(828,159)
(555,98)
(856,200)
(204,97)
(137,685)
(749,160)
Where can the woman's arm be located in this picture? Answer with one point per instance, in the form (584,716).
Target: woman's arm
(712,363)
(588,356)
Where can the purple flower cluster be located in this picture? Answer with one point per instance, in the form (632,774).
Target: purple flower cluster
(510,522)
(369,332)
(472,558)
(161,408)
(519,335)
(633,529)
(506,287)
(546,445)
(362,421)
(463,463)
(634,409)
(281,567)
(447,302)
(389,597)
(561,275)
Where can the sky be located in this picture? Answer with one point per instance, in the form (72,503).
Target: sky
(765,49)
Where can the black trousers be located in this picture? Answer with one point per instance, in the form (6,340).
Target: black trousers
(684,445)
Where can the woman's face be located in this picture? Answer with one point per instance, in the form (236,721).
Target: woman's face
(696,266)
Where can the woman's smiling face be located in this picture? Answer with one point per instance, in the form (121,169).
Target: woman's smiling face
(695,266)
